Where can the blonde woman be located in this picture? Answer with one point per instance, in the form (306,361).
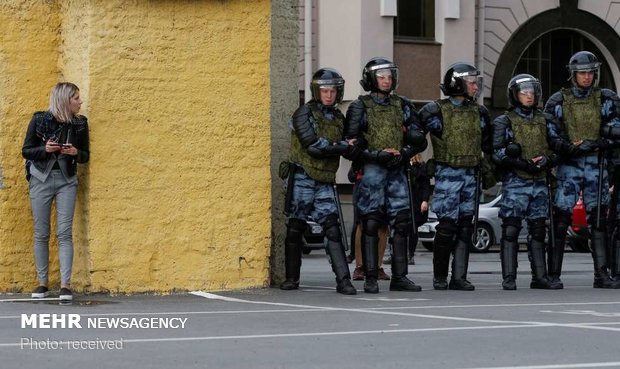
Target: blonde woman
(56,140)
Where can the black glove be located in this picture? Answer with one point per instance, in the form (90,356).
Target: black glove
(588,146)
(383,157)
(575,151)
(407,152)
(395,161)
(527,166)
(353,152)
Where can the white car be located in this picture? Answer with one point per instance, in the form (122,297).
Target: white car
(489,223)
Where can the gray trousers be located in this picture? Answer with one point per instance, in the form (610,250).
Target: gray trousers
(41,196)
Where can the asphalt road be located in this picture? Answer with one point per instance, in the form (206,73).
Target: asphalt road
(314,327)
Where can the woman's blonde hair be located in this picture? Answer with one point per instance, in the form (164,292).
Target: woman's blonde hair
(59,101)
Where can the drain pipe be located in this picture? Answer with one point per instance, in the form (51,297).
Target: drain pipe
(480,45)
(307,48)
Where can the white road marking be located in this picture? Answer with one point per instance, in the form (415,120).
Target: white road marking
(378,312)
(393,313)
(31,299)
(557,366)
(583,312)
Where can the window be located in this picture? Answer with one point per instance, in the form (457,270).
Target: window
(547,57)
(415,20)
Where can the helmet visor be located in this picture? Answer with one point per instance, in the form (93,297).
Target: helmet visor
(528,93)
(589,67)
(474,86)
(386,79)
(326,84)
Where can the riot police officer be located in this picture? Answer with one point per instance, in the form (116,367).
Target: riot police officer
(586,124)
(316,147)
(521,149)
(460,131)
(377,122)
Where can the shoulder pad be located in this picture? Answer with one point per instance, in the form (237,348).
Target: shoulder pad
(429,110)
(353,118)
(502,121)
(356,105)
(355,110)
(302,113)
(608,94)
(554,100)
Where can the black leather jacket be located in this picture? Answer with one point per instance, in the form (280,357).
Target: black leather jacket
(42,126)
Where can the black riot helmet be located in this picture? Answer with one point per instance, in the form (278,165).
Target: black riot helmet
(456,78)
(378,66)
(327,77)
(584,61)
(523,84)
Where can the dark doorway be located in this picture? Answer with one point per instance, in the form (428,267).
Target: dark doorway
(546,58)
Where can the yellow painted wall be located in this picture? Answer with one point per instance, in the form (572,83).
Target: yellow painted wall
(177,191)
(28,68)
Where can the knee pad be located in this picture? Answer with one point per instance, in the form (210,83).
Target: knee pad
(446,231)
(466,228)
(537,229)
(402,223)
(511,227)
(295,230)
(298,225)
(562,216)
(447,226)
(331,226)
(371,223)
(467,221)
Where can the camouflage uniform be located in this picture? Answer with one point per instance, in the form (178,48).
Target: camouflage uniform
(459,130)
(315,149)
(379,123)
(524,191)
(581,114)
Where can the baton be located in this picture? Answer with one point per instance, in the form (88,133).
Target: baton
(599,194)
(476,204)
(414,229)
(550,207)
(343,235)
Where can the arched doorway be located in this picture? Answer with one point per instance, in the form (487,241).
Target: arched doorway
(550,37)
(547,56)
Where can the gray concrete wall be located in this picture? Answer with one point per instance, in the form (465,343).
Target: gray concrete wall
(284,101)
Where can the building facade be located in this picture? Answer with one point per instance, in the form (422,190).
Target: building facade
(186,102)
(501,37)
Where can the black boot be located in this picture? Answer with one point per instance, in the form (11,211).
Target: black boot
(442,248)
(555,252)
(292,253)
(338,257)
(460,262)
(370,253)
(508,256)
(599,256)
(399,281)
(351,255)
(539,267)
(509,248)
(615,254)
